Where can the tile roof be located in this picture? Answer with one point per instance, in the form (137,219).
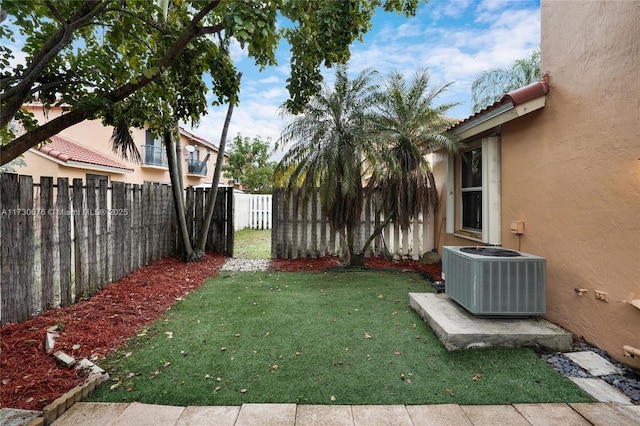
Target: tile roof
(65,150)
(516,97)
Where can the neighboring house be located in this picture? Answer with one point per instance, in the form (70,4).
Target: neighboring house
(85,150)
(560,159)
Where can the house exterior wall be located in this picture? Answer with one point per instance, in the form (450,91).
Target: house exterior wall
(92,134)
(571,172)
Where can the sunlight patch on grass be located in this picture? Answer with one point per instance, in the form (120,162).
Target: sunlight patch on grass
(252,244)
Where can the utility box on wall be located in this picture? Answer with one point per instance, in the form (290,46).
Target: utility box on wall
(494,281)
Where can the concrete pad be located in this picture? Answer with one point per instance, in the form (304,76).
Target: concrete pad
(550,414)
(16,417)
(600,390)
(93,413)
(609,414)
(148,415)
(441,415)
(458,329)
(491,415)
(380,415)
(335,415)
(218,415)
(267,415)
(593,363)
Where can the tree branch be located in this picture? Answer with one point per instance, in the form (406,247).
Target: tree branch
(30,139)
(16,96)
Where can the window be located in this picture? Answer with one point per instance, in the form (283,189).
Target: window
(473,201)
(471,189)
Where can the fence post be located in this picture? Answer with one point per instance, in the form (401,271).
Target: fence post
(63,209)
(103,233)
(275,232)
(46,242)
(79,237)
(92,256)
(229,228)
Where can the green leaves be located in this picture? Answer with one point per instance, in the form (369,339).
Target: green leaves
(248,164)
(489,86)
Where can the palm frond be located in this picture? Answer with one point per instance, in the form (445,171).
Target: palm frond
(122,143)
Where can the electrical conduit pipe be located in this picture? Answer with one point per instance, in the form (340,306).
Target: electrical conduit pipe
(630,351)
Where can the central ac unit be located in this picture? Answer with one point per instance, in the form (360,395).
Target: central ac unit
(494,281)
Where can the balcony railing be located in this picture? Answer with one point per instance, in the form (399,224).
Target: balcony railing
(195,167)
(154,156)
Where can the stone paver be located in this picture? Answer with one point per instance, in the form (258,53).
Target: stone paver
(600,390)
(16,417)
(609,414)
(380,415)
(578,414)
(441,415)
(148,415)
(267,415)
(593,363)
(207,415)
(492,415)
(550,415)
(334,415)
(93,413)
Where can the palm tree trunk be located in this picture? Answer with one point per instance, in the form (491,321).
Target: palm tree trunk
(213,192)
(178,199)
(179,159)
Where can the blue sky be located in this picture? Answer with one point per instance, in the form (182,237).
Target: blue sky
(455,39)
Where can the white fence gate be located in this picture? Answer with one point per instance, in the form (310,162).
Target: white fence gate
(252,211)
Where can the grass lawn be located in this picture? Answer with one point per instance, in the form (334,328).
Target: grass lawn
(316,338)
(252,244)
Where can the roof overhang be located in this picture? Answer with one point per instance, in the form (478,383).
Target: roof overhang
(512,105)
(499,116)
(81,165)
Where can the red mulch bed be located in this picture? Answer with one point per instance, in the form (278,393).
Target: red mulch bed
(295,265)
(31,379)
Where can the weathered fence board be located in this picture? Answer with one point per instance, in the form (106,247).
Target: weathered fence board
(18,246)
(60,243)
(64,241)
(79,238)
(46,243)
(301,230)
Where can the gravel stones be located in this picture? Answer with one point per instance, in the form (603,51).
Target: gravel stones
(628,382)
(237,265)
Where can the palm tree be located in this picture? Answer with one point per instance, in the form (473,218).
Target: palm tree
(405,126)
(489,86)
(328,152)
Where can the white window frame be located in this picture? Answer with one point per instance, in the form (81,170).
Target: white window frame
(491,205)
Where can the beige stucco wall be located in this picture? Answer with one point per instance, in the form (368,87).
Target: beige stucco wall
(571,171)
(92,134)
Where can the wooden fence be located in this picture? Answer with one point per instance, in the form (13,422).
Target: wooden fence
(220,238)
(65,241)
(301,231)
